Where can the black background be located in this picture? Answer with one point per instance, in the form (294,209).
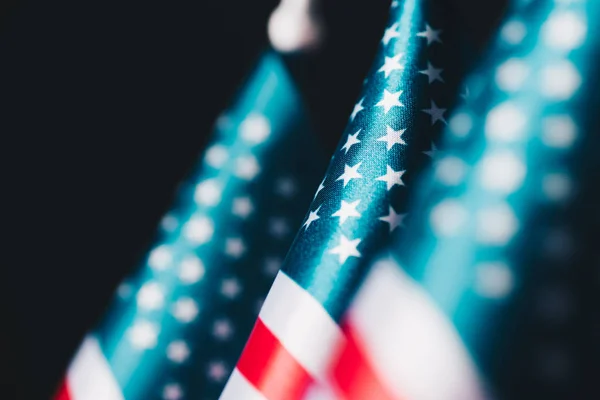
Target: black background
(104,106)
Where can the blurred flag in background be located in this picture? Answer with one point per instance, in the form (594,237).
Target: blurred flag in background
(491,291)
(178,325)
(392,133)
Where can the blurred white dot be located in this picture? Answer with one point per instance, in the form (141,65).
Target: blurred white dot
(461,124)
(505,122)
(511,75)
(172,391)
(208,192)
(185,309)
(286,187)
(230,288)
(502,171)
(178,351)
(160,258)
(556,186)
(448,217)
(559,81)
(559,131)
(513,32)
(191,270)
(493,280)
(564,30)
(496,225)
(235,247)
(242,207)
(143,335)
(222,329)
(216,156)
(169,223)
(150,296)
(255,128)
(124,290)
(272,266)
(450,170)
(247,167)
(198,229)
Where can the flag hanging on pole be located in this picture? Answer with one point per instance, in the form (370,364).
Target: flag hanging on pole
(489,291)
(179,323)
(362,201)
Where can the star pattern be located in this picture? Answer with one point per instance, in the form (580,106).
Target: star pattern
(346,249)
(362,200)
(437,114)
(393,218)
(498,239)
(312,217)
(347,210)
(351,141)
(392,137)
(433,74)
(390,100)
(431,35)
(350,173)
(211,262)
(391,177)
(391,64)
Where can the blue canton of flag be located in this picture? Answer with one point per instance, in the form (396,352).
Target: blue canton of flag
(178,325)
(392,133)
(494,296)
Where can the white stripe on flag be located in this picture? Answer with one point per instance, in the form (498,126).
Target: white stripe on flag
(238,388)
(89,376)
(414,349)
(301,325)
(319,391)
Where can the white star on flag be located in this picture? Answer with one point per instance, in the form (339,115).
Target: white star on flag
(321,187)
(433,74)
(178,351)
(393,218)
(242,207)
(430,34)
(351,141)
(392,137)
(390,33)
(433,152)
(358,107)
(230,288)
(346,248)
(391,64)
(350,173)
(346,211)
(437,114)
(312,217)
(143,335)
(185,309)
(390,100)
(235,247)
(392,177)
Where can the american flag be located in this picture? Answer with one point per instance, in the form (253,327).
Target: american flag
(489,290)
(392,133)
(177,325)
(485,291)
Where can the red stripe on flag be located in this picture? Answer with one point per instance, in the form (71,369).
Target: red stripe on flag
(271,368)
(63,392)
(352,374)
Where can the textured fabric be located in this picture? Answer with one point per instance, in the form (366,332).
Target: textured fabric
(505,219)
(178,325)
